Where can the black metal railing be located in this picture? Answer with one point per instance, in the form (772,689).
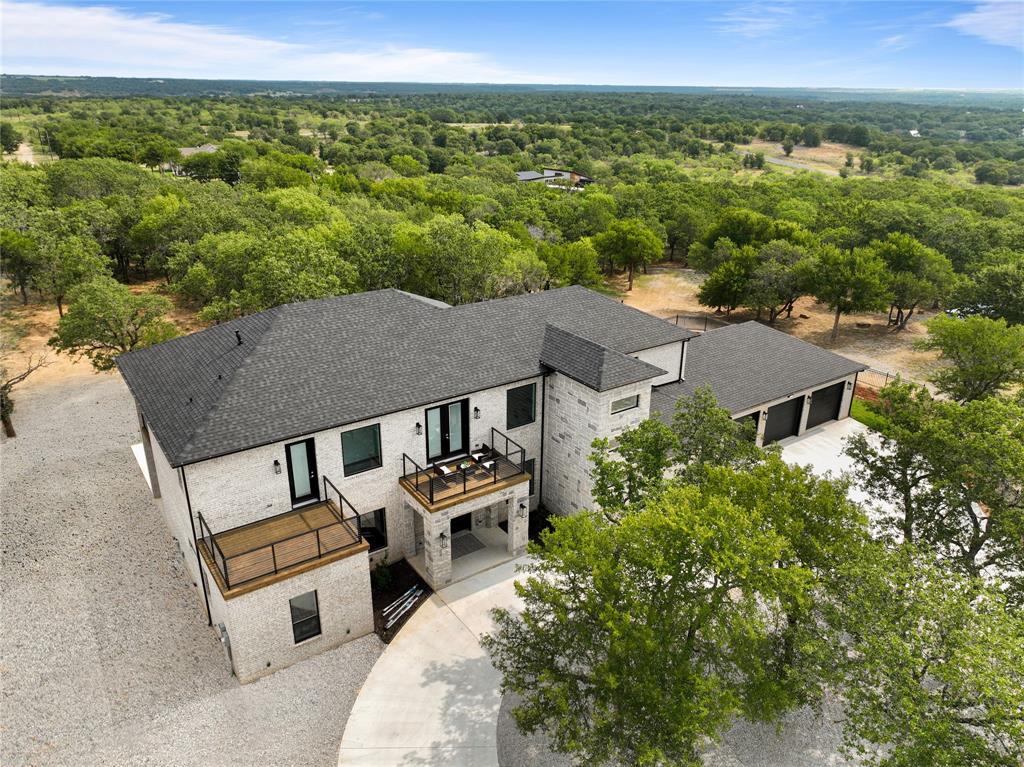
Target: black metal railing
(500,459)
(337,533)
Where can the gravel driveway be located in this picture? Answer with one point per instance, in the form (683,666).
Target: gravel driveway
(106,655)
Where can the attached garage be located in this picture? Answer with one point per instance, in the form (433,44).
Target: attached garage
(783,420)
(825,404)
(754,418)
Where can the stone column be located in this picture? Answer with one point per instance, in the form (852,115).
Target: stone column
(518,527)
(437,557)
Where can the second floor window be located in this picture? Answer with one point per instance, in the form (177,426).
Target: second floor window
(626,403)
(360,449)
(521,406)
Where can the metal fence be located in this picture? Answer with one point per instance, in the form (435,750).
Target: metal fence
(699,323)
(875,379)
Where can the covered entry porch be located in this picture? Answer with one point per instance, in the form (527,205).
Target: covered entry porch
(457,542)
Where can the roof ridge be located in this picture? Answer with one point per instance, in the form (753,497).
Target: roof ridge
(275,316)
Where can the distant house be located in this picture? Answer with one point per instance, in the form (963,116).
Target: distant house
(188,151)
(554,178)
(915,133)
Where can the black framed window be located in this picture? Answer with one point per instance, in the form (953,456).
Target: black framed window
(530,465)
(521,406)
(360,449)
(305,616)
(626,403)
(373,526)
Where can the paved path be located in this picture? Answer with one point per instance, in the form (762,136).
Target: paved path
(432,698)
(821,448)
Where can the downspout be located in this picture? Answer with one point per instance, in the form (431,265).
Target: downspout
(195,545)
(682,359)
(543,436)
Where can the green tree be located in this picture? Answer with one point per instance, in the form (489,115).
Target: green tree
(917,274)
(105,319)
(20,260)
(574,263)
(784,273)
(849,281)
(948,476)
(787,146)
(931,673)
(728,286)
(994,289)
(629,243)
(10,137)
(986,356)
(642,638)
(64,262)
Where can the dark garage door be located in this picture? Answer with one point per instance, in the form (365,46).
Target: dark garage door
(783,420)
(754,418)
(825,405)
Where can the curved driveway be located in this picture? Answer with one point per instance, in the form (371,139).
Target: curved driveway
(432,698)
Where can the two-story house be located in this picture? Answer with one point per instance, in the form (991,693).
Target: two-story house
(293,450)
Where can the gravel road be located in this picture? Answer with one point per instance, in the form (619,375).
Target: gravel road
(106,655)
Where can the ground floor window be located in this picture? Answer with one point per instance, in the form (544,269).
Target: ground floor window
(305,616)
(374,529)
(530,466)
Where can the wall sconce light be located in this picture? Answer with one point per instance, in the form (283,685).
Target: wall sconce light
(521,513)
(419,428)
(476,414)
(277,466)
(444,541)
(849,385)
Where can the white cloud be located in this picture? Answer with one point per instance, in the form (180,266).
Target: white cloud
(999,23)
(106,41)
(758,19)
(894,43)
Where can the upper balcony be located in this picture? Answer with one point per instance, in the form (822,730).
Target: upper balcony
(251,556)
(491,468)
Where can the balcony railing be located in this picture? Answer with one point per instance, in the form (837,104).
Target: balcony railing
(269,546)
(503,458)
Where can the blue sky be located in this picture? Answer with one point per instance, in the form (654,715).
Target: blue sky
(784,43)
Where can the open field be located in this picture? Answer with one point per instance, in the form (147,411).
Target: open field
(827,158)
(669,290)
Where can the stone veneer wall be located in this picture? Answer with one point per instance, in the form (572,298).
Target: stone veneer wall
(259,626)
(576,416)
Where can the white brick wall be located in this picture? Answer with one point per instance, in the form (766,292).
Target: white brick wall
(174,507)
(240,488)
(259,623)
(576,416)
(667,357)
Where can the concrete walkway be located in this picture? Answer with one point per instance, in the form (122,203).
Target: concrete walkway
(432,698)
(821,448)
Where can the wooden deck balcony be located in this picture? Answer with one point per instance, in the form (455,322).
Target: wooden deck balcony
(255,555)
(461,479)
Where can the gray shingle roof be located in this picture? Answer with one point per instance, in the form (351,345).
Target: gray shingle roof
(751,364)
(591,364)
(529,175)
(315,365)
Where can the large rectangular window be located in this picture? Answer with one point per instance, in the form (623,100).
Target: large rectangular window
(360,449)
(305,616)
(374,529)
(626,403)
(521,406)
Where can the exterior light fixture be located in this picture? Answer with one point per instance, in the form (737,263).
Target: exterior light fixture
(444,541)
(419,428)
(522,511)
(849,384)
(277,466)
(476,414)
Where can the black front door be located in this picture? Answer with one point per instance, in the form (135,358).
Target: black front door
(448,430)
(302,478)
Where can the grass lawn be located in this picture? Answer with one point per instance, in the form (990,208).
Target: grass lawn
(859,411)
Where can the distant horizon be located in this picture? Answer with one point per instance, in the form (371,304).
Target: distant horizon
(909,45)
(532,86)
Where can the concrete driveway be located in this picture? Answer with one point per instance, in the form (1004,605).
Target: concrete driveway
(821,448)
(432,698)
